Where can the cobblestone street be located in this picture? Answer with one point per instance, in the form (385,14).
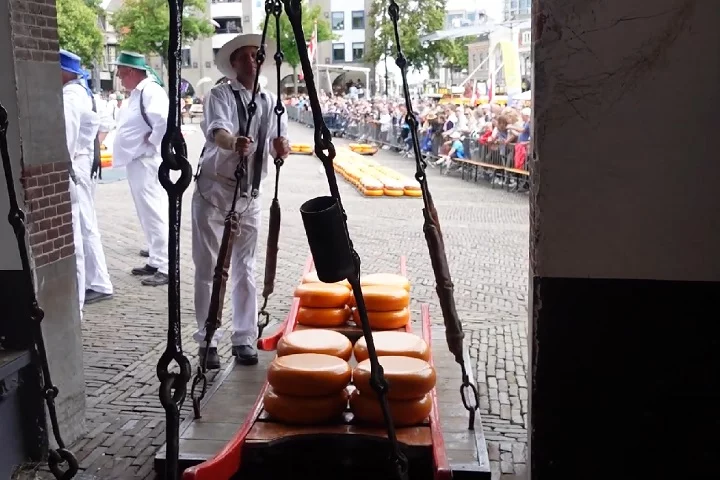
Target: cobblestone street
(486,236)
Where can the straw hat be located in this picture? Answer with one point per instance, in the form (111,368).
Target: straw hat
(222,59)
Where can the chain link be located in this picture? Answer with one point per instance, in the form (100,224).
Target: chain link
(173,385)
(433,234)
(61,461)
(271,254)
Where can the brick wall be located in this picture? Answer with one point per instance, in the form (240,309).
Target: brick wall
(34,27)
(49,215)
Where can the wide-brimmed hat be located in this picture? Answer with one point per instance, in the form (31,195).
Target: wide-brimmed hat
(131,60)
(222,59)
(70,63)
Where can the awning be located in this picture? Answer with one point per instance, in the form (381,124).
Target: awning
(475,30)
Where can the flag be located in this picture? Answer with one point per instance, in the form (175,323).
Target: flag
(311,48)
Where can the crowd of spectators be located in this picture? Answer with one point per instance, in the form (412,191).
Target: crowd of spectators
(445,129)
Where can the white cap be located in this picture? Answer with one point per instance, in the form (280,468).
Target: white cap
(526,111)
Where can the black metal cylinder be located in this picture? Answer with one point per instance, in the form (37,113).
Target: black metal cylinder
(328,239)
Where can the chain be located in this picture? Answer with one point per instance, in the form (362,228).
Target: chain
(213,320)
(275,212)
(433,236)
(323,143)
(173,385)
(61,461)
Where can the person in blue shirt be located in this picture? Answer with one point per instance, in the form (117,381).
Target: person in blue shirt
(457,151)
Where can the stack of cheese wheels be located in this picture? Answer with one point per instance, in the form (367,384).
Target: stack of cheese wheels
(316,340)
(323,305)
(410,381)
(387,297)
(393,344)
(307,388)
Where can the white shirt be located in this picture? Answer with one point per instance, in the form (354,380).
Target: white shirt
(220,112)
(134,138)
(81,127)
(106,120)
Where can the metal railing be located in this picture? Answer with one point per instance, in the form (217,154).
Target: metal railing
(502,165)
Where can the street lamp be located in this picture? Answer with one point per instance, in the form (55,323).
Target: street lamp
(162,60)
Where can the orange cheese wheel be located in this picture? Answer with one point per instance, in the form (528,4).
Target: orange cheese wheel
(384,320)
(393,344)
(384,298)
(328,342)
(387,279)
(305,410)
(323,317)
(322,295)
(312,277)
(366,408)
(308,374)
(407,377)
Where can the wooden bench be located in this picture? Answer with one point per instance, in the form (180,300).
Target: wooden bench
(520,176)
(497,170)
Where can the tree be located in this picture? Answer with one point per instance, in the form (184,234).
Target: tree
(78,29)
(144,24)
(289,47)
(418,18)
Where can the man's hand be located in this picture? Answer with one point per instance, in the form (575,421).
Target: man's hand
(242,145)
(281,147)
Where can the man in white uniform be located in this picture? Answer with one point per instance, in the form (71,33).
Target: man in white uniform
(87,167)
(141,125)
(81,127)
(225,113)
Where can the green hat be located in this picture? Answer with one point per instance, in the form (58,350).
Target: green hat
(132,60)
(137,61)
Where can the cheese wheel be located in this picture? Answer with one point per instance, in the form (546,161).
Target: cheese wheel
(388,279)
(322,295)
(305,410)
(393,344)
(365,406)
(384,298)
(328,342)
(323,317)
(308,374)
(407,377)
(384,320)
(312,277)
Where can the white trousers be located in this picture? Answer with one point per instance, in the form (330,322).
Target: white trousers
(96,272)
(207,230)
(151,203)
(78,240)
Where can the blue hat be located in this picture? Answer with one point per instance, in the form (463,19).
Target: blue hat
(70,62)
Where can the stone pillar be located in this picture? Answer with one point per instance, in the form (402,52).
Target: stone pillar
(625,236)
(30,88)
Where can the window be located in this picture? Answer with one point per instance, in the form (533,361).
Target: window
(358,20)
(526,38)
(229,25)
(338,52)
(358,50)
(337,20)
(185,57)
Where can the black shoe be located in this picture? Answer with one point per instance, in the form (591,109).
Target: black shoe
(145,253)
(156,280)
(245,354)
(91,296)
(213,359)
(144,271)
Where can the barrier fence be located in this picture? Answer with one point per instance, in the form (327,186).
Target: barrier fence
(502,165)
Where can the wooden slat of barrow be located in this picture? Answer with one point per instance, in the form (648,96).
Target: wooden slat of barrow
(466,449)
(268,432)
(223,411)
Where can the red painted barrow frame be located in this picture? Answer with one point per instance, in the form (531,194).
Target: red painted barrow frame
(227,461)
